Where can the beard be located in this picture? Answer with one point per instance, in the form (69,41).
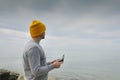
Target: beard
(43,37)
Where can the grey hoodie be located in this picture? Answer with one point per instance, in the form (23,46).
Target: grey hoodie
(34,61)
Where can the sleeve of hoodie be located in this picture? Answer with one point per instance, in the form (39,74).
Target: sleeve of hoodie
(34,62)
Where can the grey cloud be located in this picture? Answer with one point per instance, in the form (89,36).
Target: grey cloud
(30,4)
(63,17)
(65,6)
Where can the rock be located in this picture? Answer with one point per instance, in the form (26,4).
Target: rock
(13,76)
(50,78)
(8,75)
(21,77)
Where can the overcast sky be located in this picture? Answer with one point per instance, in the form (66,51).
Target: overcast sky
(82,25)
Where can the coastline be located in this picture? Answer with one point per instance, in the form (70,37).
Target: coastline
(8,75)
(11,75)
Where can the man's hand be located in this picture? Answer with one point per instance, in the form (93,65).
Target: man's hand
(57,64)
(52,62)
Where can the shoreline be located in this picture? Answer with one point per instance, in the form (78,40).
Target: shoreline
(12,75)
(8,75)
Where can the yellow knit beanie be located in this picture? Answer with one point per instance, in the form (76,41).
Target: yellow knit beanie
(37,28)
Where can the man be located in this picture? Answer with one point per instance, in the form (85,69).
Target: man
(34,59)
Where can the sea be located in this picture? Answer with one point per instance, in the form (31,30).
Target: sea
(78,64)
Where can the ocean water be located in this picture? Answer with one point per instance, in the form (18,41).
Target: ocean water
(72,68)
(82,62)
